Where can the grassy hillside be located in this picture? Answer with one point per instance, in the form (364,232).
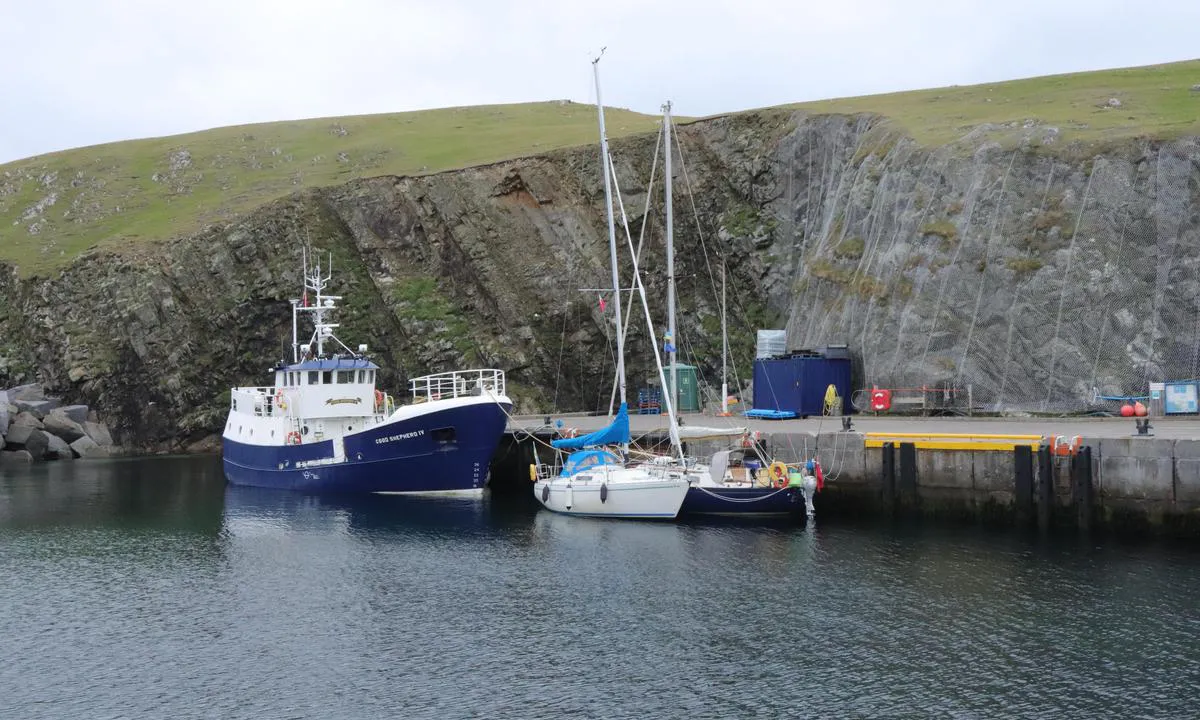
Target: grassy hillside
(1156,101)
(54,206)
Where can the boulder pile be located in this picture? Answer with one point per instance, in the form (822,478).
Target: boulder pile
(36,427)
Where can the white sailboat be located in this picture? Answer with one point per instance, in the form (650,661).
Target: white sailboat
(596,479)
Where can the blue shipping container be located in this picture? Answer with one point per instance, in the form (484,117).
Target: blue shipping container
(798,384)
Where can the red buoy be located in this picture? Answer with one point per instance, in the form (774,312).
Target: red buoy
(1126,410)
(1139,409)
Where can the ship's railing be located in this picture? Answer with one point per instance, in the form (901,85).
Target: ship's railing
(384,403)
(460,383)
(261,401)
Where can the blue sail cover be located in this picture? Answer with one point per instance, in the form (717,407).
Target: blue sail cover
(616,432)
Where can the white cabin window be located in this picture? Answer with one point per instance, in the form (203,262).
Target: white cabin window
(327,377)
(314,377)
(362,376)
(345,376)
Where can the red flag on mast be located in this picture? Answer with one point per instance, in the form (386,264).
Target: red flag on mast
(602,305)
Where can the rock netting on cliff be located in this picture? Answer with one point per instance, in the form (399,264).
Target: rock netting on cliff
(34,426)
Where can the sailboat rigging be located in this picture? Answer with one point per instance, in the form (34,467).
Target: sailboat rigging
(728,483)
(596,480)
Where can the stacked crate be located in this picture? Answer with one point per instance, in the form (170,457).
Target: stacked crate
(649,401)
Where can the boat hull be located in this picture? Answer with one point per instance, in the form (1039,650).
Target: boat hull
(403,456)
(656,499)
(743,502)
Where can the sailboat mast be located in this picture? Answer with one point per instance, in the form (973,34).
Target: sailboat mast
(724,348)
(673,420)
(612,230)
(671,343)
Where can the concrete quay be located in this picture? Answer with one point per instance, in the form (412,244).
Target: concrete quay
(1146,483)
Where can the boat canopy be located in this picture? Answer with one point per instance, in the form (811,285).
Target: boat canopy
(585,459)
(697,432)
(617,432)
(337,363)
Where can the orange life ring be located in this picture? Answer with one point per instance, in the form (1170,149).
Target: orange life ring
(293,438)
(778,473)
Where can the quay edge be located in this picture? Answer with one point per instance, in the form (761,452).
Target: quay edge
(1138,484)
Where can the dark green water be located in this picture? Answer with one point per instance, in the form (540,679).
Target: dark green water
(147,589)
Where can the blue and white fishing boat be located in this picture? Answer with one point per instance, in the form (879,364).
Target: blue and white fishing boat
(325,426)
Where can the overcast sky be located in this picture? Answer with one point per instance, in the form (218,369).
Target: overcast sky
(81,72)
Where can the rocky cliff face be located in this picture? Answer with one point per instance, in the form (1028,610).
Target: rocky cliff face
(1038,275)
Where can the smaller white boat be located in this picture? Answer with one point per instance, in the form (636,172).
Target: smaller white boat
(596,479)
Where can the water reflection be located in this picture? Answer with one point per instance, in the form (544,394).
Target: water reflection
(148,588)
(171,493)
(252,510)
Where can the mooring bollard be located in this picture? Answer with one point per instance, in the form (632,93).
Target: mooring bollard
(1142,425)
(847,423)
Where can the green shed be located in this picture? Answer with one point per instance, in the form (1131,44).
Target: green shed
(689,388)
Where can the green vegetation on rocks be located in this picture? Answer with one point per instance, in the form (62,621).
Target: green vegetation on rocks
(53,207)
(1156,101)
